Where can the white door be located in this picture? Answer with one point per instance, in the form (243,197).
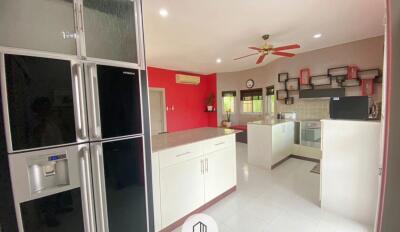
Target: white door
(220,172)
(157,111)
(182,189)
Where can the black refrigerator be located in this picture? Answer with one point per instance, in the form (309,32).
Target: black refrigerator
(75,142)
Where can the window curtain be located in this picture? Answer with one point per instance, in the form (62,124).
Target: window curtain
(228,93)
(251,94)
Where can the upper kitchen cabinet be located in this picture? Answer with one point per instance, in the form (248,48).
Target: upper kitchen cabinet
(97,30)
(111,30)
(39,25)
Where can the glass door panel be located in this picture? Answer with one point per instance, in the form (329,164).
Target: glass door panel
(40,101)
(110,30)
(38,25)
(58,213)
(122,180)
(119,101)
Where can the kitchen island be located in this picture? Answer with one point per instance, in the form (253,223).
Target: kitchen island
(191,170)
(269,142)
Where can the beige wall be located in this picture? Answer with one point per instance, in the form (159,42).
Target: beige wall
(366,53)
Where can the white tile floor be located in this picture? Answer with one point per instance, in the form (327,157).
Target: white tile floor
(285,199)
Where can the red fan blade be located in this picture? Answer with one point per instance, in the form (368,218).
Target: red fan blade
(245,56)
(283,54)
(293,46)
(261,58)
(258,49)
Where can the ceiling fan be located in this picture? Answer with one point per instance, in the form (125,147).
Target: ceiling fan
(268,48)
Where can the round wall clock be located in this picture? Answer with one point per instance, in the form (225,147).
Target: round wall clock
(250,83)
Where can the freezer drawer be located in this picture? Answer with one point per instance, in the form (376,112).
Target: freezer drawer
(119,185)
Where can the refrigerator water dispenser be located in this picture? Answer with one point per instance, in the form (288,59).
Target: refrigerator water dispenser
(48,172)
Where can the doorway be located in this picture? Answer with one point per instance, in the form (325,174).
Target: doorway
(157,111)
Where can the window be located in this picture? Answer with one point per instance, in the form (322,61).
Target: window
(252,101)
(270,100)
(228,99)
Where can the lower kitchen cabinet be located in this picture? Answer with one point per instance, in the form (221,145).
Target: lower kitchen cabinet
(268,143)
(187,177)
(182,189)
(219,174)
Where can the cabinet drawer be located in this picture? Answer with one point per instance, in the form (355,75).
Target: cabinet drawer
(180,154)
(219,143)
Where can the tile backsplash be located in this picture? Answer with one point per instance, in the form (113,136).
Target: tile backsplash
(306,109)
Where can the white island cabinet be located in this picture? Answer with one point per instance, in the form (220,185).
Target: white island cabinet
(269,142)
(349,168)
(191,170)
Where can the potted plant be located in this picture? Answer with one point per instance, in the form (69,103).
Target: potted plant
(228,122)
(210,102)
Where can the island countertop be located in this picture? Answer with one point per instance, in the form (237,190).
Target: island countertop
(269,122)
(175,139)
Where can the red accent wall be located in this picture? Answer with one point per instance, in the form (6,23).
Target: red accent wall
(188,100)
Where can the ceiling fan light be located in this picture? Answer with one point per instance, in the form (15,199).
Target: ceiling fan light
(219,60)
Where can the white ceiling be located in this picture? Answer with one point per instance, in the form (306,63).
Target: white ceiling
(196,33)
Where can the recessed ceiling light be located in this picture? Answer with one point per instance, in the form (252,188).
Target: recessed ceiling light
(316,36)
(219,60)
(163,12)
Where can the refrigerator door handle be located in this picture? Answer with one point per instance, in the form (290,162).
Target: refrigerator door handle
(82,102)
(100,192)
(85,193)
(79,103)
(95,101)
(87,174)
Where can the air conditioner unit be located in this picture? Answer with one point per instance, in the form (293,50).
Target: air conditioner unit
(187,79)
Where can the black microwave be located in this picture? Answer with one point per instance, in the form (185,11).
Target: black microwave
(354,107)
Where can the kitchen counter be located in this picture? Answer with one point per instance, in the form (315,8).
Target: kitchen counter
(200,161)
(269,142)
(269,122)
(175,139)
(351,120)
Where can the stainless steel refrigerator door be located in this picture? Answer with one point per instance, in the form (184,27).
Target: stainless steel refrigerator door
(114,101)
(41,178)
(120,185)
(43,101)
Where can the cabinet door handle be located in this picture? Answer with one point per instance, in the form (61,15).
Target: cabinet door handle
(217,144)
(202,167)
(186,153)
(207,165)
(81,14)
(76,12)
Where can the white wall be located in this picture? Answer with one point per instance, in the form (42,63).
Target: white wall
(366,53)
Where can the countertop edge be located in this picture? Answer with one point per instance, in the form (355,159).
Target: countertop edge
(268,124)
(234,131)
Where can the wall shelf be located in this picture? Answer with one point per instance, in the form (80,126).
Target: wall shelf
(292,84)
(282,77)
(281,94)
(321,85)
(320,80)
